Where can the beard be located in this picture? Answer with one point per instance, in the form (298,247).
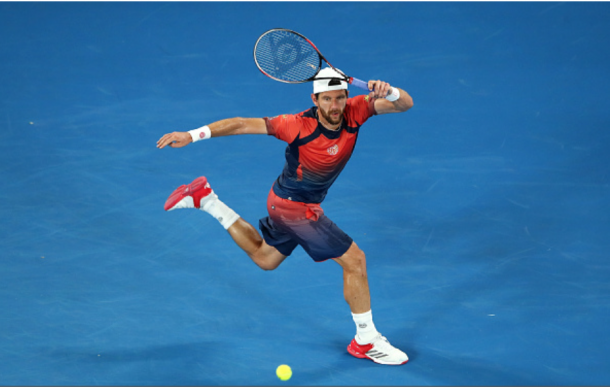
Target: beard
(327,115)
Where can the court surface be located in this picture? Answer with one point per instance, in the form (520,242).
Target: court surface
(484,210)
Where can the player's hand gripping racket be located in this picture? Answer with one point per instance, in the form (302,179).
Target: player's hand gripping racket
(289,57)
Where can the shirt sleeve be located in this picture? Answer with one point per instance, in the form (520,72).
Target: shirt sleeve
(361,109)
(285,127)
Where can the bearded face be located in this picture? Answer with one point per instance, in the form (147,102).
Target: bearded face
(331,105)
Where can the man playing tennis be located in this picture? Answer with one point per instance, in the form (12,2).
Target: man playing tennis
(320,142)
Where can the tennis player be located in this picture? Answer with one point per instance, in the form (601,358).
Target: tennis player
(320,143)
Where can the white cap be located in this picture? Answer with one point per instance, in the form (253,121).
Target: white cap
(322,85)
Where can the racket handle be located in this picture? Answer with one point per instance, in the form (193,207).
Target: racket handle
(358,83)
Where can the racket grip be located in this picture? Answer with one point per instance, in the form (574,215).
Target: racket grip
(358,83)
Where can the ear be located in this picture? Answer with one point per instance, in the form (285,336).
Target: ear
(314,100)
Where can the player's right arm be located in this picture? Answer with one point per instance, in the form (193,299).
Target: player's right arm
(228,127)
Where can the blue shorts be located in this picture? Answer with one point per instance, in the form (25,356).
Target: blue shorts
(291,224)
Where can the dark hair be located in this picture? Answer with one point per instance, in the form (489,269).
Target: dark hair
(318,94)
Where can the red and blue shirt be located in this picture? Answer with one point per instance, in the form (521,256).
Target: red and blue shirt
(315,156)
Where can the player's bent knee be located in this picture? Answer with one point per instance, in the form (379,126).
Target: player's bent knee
(267,265)
(354,261)
(268,258)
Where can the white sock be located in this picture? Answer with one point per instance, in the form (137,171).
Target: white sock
(365,328)
(220,211)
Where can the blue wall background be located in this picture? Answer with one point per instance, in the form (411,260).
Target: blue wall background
(484,210)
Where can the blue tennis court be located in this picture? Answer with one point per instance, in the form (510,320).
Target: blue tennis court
(484,210)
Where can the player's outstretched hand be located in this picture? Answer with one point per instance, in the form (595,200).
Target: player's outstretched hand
(175,140)
(379,89)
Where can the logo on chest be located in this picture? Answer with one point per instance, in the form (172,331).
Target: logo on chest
(333,150)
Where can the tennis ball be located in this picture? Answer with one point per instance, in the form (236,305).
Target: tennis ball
(283,372)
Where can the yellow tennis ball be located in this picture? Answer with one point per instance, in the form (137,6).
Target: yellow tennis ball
(283,372)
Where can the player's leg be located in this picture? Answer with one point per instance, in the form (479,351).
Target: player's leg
(200,195)
(355,280)
(368,343)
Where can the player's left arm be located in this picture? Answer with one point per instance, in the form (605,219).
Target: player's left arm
(383,106)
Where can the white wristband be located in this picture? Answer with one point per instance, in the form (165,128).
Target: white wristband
(394,95)
(202,133)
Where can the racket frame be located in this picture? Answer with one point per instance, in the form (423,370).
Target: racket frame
(346,78)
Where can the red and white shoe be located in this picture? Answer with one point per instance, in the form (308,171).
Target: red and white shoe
(193,195)
(379,350)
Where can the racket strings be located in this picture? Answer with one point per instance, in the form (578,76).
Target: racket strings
(286,56)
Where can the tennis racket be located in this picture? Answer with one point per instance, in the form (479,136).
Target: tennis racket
(287,56)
